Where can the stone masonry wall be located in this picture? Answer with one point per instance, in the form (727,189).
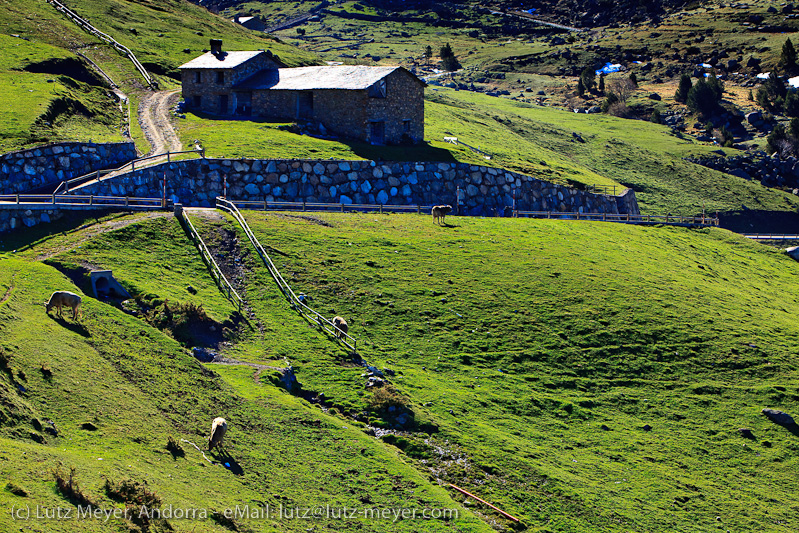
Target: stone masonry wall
(485,190)
(11,219)
(29,169)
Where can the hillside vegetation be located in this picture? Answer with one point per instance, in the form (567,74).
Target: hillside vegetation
(581,376)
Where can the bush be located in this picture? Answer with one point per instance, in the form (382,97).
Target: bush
(791,105)
(67,486)
(385,397)
(703,98)
(682,90)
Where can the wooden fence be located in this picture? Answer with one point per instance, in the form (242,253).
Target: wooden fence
(297,303)
(216,273)
(97,175)
(78,201)
(628,218)
(86,26)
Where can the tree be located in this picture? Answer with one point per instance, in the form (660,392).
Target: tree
(655,117)
(771,95)
(716,85)
(791,106)
(622,89)
(682,90)
(428,54)
(634,78)
(702,98)
(601,88)
(300,31)
(610,100)
(588,76)
(580,87)
(448,59)
(788,57)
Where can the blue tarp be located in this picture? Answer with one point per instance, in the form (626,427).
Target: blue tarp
(531,11)
(608,68)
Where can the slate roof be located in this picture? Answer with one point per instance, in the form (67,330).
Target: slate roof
(223,60)
(351,77)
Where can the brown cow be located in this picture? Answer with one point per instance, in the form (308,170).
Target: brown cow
(440,211)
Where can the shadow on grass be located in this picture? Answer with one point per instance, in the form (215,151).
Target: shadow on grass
(75,327)
(227,460)
(760,221)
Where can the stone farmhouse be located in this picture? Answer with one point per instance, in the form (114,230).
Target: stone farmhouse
(378,105)
(251,23)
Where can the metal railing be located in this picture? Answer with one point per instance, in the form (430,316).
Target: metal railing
(309,314)
(456,141)
(80,200)
(624,217)
(97,175)
(265,205)
(216,273)
(603,189)
(772,236)
(86,26)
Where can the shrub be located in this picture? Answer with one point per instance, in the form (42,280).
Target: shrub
(175,448)
(703,98)
(67,486)
(385,397)
(684,87)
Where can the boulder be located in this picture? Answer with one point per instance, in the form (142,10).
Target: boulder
(654,96)
(778,417)
(754,117)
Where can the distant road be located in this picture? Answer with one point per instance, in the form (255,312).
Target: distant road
(527,16)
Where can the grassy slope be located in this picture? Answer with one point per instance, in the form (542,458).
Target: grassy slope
(518,339)
(162,32)
(139,386)
(548,330)
(531,139)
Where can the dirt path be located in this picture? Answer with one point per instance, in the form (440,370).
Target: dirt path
(155,122)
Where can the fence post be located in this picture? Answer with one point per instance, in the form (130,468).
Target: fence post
(381,208)
(342,208)
(167,157)
(91,199)
(126,201)
(133,165)
(418,209)
(17,199)
(53,198)
(303,204)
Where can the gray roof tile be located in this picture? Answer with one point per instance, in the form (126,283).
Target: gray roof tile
(307,78)
(223,60)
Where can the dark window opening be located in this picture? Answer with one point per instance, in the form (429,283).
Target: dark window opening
(377,132)
(406,126)
(220,77)
(378,90)
(198,77)
(223,103)
(305,105)
(197,100)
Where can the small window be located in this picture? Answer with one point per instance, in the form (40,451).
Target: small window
(220,77)
(406,126)
(198,77)
(197,100)
(378,90)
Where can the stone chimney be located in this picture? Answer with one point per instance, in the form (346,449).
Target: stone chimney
(216,46)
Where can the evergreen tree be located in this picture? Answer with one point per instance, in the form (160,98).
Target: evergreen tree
(448,59)
(788,57)
(601,88)
(791,106)
(588,76)
(716,85)
(634,79)
(428,54)
(702,98)
(580,87)
(682,90)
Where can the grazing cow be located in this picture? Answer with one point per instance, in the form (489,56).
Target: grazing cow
(60,299)
(341,326)
(218,430)
(439,212)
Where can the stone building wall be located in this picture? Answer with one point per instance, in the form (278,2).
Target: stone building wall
(485,190)
(25,170)
(404,101)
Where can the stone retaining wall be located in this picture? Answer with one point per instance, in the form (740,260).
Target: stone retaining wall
(25,170)
(770,171)
(485,190)
(11,219)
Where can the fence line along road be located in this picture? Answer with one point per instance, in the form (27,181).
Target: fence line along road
(625,218)
(298,304)
(216,273)
(97,175)
(772,236)
(86,26)
(78,201)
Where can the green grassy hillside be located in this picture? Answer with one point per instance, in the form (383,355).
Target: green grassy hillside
(536,140)
(51,96)
(529,357)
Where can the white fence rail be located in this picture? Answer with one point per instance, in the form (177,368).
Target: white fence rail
(216,273)
(309,314)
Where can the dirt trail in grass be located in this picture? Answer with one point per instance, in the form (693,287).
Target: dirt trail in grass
(10,289)
(92,231)
(155,122)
